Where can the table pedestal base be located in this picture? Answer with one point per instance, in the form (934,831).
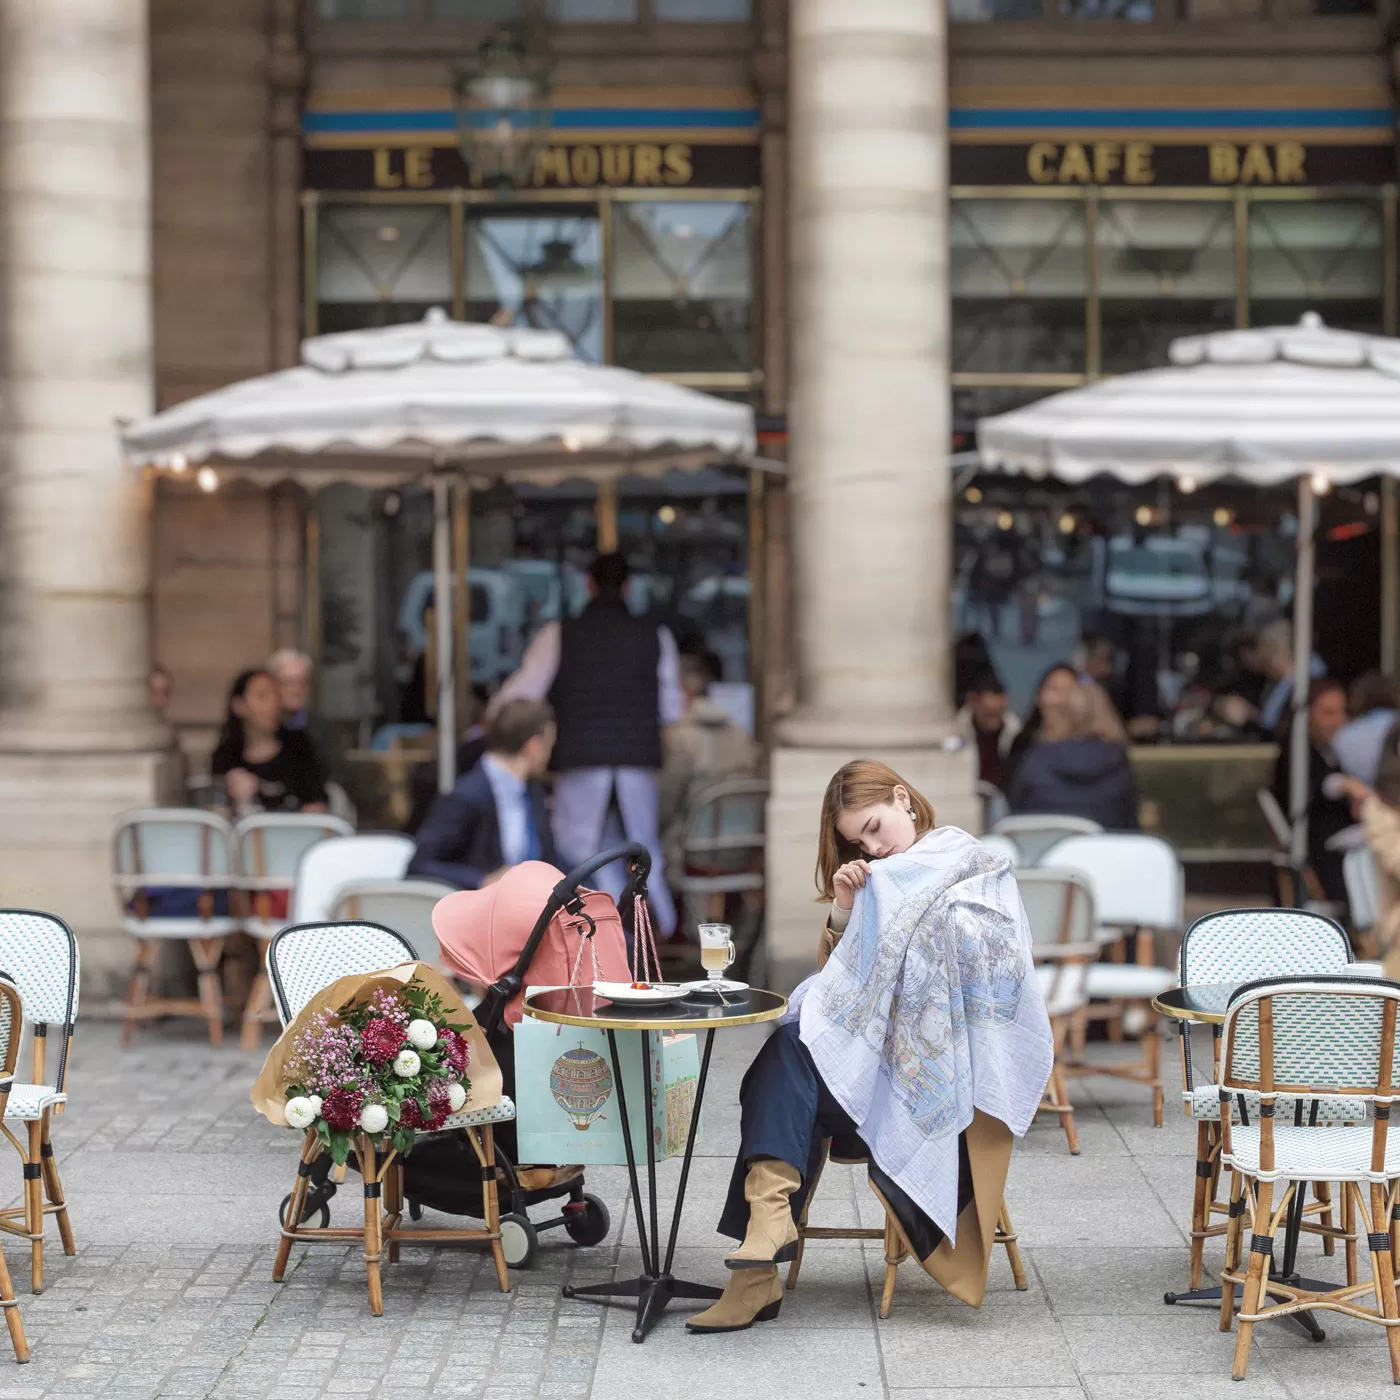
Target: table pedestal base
(1305,1320)
(653,1294)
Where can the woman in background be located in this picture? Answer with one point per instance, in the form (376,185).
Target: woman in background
(265,766)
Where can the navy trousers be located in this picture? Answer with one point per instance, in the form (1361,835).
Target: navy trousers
(786,1111)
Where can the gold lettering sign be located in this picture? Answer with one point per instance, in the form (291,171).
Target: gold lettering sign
(1133,162)
(582,166)
(1091,163)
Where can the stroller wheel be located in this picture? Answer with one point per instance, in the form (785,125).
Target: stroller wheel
(520,1241)
(312,1208)
(589,1225)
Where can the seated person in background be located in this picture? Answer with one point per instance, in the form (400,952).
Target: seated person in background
(1357,746)
(704,746)
(292,670)
(1331,793)
(495,815)
(986,720)
(265,766)
(1078,766)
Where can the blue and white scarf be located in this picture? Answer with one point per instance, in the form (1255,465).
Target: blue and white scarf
(929,1008)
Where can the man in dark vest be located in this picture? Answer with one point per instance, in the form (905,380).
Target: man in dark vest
(614,682)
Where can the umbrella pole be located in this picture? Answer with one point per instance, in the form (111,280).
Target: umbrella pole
(1302,679)
(444,620)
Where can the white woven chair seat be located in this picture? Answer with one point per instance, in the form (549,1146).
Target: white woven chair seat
(27,1102)
(181,928)
(1128,981)
(1313,1154)
(1203,1104)
(503,1112)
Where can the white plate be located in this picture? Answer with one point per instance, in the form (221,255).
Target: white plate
(624,993)
(725,987)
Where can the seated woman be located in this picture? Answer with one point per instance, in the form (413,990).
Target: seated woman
(1079,764)
(265,766)
(922,1042)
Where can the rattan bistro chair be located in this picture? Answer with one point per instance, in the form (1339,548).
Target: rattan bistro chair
(1238,945)
(406,906)
(1317,1037)
(1035,834)
(41,955)
(896,1246)
(302,960)
(1138,889)
(1059,907)
(174,875)
(270,849)
(11,1032)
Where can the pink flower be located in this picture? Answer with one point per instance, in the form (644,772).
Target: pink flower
(455,1050)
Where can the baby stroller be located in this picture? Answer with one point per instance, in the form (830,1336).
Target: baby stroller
(441,1173)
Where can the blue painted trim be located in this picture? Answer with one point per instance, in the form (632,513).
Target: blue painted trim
(1224,118)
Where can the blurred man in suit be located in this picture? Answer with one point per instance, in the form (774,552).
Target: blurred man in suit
(495,816)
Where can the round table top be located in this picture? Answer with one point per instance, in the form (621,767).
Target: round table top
(1206,1002)
(578,1006)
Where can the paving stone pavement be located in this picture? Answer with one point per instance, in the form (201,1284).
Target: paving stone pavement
(174,1185)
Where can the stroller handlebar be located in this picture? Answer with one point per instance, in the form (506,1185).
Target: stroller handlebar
(638,860)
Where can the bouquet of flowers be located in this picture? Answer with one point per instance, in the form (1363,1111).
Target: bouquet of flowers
(387,1068)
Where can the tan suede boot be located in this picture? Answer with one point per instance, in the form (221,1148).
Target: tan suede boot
(755,1295)
(772,1234)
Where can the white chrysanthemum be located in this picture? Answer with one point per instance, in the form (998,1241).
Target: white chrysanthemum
(374,1118)
(407,1064)
(456,1097)
(422,1035)
(301,1112)
(315,1101)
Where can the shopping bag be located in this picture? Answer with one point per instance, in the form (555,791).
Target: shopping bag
(566,1101)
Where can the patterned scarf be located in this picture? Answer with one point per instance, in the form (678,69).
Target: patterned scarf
(929,1008)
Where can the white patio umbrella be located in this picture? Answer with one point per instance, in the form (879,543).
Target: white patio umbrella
(439,399)
(1264,406)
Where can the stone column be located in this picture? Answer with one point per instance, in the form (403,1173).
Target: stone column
(78,739)
(869,414)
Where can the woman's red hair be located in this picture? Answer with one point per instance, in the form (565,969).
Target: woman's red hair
(864,782)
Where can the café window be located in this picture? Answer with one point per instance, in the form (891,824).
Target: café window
(362,9)
(1019,277)
(377,264)
(683,286)
(1165,269)
(592,11)
(546,269)
(1317,255)
(701,11)
(498,11)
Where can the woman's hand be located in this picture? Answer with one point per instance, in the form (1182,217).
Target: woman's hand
(242,786)
(850,878)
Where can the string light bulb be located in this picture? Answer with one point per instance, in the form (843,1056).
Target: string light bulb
(1143,515)
(973,495)
(207,479)
(1005,520)
(1186,485)
(1223,516)
(1067,524)
(1321,483)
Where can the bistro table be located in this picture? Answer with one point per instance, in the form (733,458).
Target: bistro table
(578,1006)
(1205,1003)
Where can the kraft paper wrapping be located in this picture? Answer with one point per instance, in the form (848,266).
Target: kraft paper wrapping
(269,1092)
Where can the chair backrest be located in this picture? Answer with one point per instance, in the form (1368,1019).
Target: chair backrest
(340,804)
(1275,817)
(304,958)
(726,831)
(1004,846)
(331,864)
(40,954)
(271,844)
(1363,886)
(11,1033)
(1059,906)
(1313,1035)
(1034,835)
(172,846)
(1137,879)
(1238,945)
(406,906)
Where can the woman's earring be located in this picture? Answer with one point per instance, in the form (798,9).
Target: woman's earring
(910,810)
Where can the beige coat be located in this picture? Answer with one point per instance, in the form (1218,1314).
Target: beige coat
(962,1270)
(1382,823)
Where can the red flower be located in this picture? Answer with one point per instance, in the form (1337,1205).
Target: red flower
(341,1109)
(411,1115)
(381,1040)
(454,1049)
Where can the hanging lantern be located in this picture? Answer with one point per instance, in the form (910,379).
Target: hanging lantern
(504,110)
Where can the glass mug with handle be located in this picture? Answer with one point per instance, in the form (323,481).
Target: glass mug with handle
(716,951)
